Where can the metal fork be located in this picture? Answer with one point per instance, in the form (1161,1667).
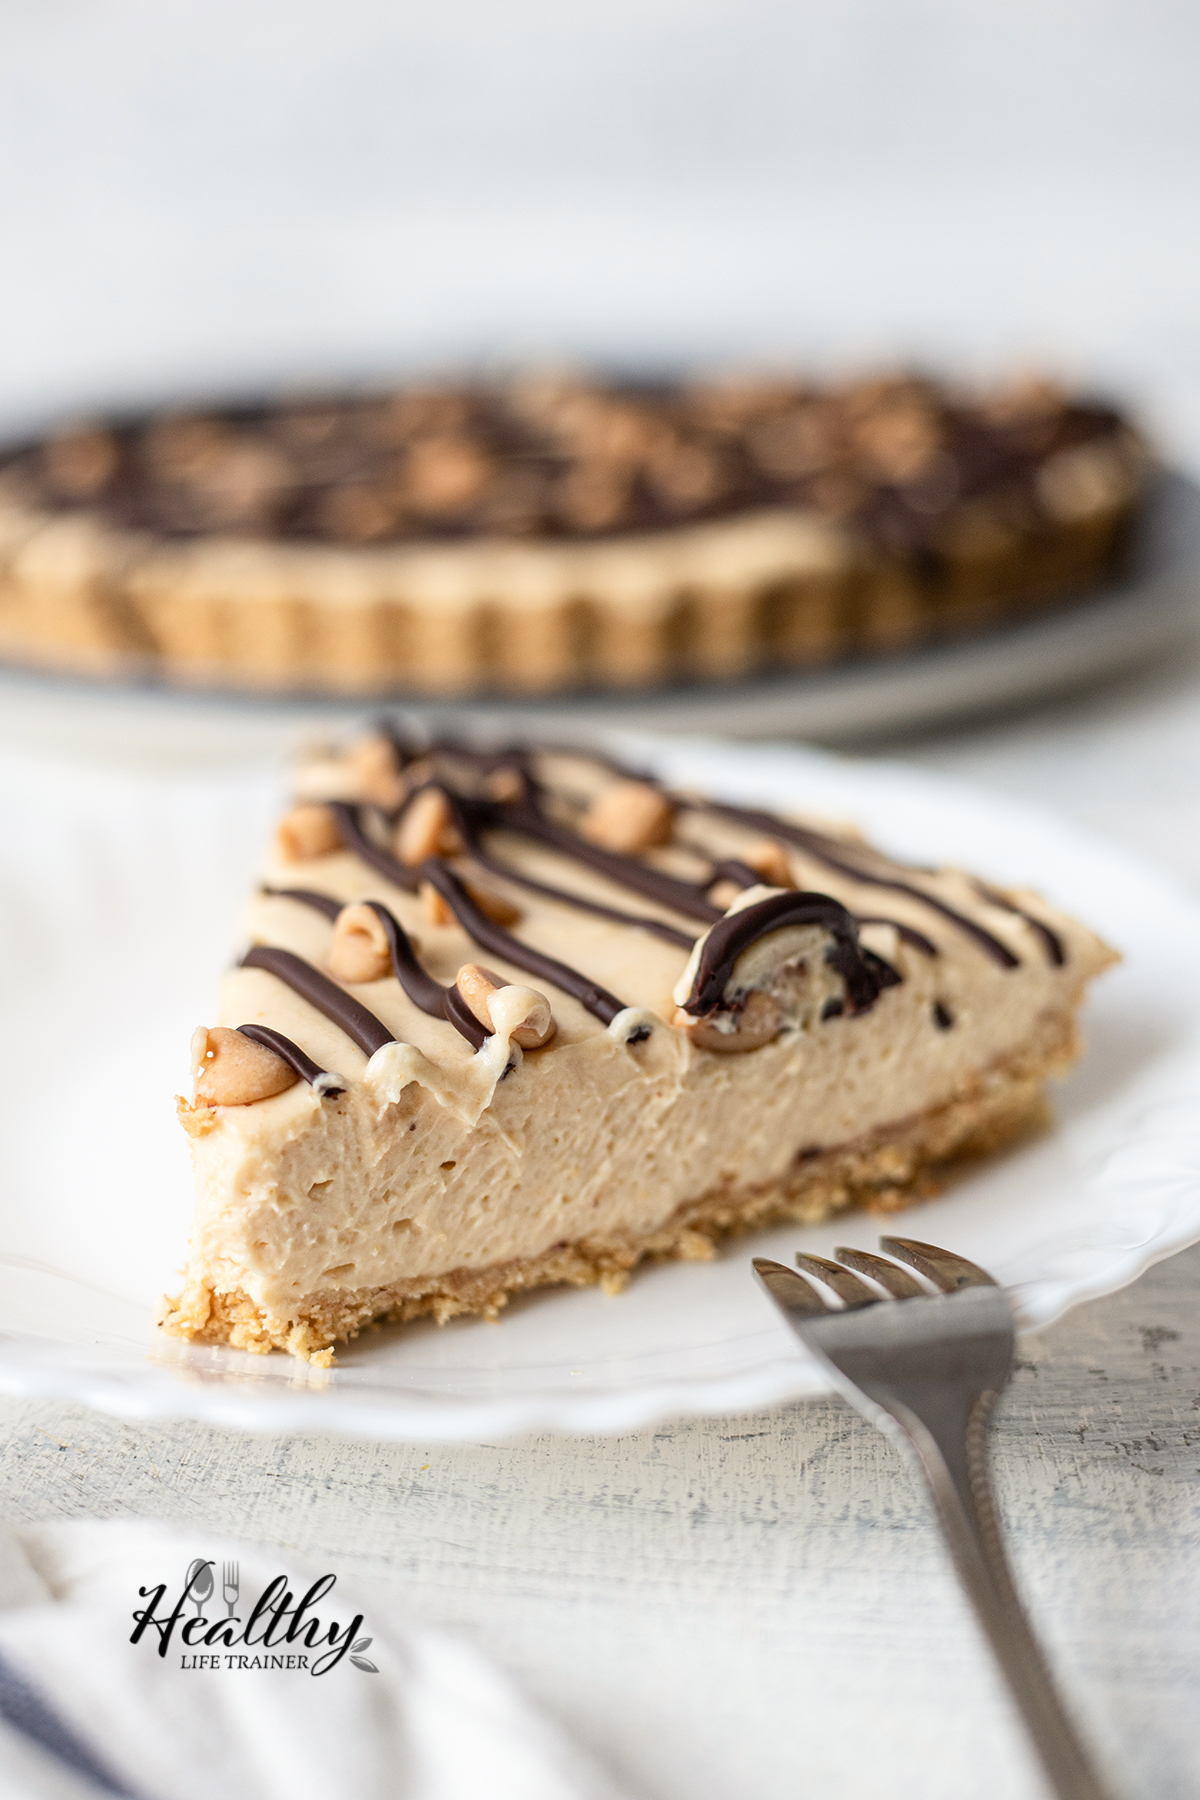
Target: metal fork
(927,1373)
(230,1585)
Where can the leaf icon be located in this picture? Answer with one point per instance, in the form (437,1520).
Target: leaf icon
(363,1644)
(365,1664)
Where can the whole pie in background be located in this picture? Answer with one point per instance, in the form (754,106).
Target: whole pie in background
(555,533)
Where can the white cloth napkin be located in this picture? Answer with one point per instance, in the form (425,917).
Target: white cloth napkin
(84,1711)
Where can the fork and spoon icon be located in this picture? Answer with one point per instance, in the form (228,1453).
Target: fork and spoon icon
(201,1582)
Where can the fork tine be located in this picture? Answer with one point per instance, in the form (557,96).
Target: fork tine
(846,1286)
(788,1289)
(944,1269)
(897,1282)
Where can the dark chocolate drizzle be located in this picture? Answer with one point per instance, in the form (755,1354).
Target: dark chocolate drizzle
(864,974)
(432,998)
(689,898)
(356,839)
(291,1054)
(459,1014)
(322,903)
(889,976)
(598,1001)
(692,900)
(360,1025)
(731,869)
(657,927)
(1051,942)
(472,819)
(421,988)
(842,860)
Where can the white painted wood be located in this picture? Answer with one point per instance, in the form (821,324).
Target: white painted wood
(755,1605)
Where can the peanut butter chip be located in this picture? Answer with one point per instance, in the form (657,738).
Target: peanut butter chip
(497,908)
(307,832)
(360,950)
(505,784)
(427,829)
(628,817)
(437,909)
(769,859)
(232,1070)
(477,987)
(373,768)
(754,1025)
(724,893)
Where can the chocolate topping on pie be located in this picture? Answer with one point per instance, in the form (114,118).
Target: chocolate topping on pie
(295,1058)
(356,1020)
(569,458)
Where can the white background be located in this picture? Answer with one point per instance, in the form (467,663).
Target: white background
(223,194)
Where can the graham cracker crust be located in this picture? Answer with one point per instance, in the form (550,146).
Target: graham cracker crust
(883,1172)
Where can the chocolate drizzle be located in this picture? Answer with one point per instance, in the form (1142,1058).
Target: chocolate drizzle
(356,839)
(842,860)
(888,975)
(527,819)
(294,1056)
(1051,941)
(421,988)
(360,1025)
(432,998)
(638,921)
(864,974)
(870,868)
(598,1001)
(476,814)
(473,817)
(322,903)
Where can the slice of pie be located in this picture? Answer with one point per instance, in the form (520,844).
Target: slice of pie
(542,535)
(519,1017)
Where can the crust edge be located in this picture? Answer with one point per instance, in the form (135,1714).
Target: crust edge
(724,600)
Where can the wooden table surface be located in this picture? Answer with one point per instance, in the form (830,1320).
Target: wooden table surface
(760,1605)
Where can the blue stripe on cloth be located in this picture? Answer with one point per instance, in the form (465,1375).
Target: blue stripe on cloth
(34,1717)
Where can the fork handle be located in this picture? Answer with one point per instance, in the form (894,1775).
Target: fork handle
(952,1456)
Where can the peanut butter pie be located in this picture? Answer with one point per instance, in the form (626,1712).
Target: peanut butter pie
(521,1017)
(538,536)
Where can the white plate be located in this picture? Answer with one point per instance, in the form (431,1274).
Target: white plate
(118,894)
(1155,606)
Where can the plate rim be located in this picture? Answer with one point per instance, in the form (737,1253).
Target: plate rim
(176,1386)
